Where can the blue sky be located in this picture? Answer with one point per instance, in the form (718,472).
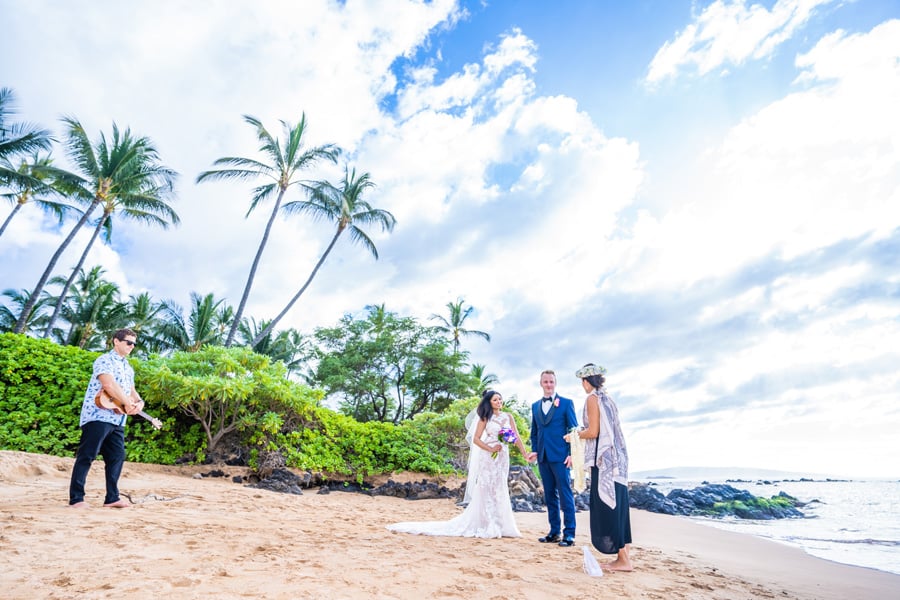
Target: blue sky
(703,196)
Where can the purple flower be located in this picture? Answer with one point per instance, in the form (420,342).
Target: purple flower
(507,436)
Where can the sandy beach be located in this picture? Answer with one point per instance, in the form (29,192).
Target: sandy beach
(186,537)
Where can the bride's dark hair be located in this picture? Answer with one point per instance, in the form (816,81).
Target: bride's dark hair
(485,410)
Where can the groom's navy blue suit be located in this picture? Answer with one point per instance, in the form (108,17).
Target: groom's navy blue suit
(547,441)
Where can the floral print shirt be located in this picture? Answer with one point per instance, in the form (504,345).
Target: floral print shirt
(117,366)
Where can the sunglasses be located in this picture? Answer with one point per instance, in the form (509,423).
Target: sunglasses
(129,342)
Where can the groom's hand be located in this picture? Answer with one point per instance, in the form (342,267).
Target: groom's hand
(568,462)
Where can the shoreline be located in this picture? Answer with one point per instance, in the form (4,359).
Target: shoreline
(212,538)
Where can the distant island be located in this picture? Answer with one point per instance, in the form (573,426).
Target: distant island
(727,473)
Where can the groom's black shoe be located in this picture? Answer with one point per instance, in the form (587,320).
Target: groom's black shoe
(567,541)
(549,538)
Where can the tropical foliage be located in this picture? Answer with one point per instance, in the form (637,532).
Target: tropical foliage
(42,387)
(397,383)
(221,388)
(90,312)
(282,169)
(386,367)
(37,182)
(17,139)
(235,393)
(123,169)
(345,207)
(453,324)
(122,175)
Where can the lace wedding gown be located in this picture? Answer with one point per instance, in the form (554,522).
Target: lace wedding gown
(489,513)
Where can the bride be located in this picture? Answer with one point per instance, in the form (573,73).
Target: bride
(488,513)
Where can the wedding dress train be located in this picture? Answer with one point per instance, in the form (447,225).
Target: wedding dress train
(488,513)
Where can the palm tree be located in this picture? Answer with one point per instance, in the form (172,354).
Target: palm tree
(454,325)
(136,186)
(20,299)
(289,345)
(201,327)
(345,207)
(124,167)
(282,169)
(16,139)
(93,310)
(145,317)
(35,185)
(485,380)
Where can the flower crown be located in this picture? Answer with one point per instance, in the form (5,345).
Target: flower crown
(590,369)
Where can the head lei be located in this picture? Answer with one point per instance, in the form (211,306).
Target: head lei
(590,369)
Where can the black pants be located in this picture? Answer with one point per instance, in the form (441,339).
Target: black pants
(104,439)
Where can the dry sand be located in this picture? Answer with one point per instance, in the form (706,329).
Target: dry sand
(212,538)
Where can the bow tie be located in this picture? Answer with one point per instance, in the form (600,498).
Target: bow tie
(548,399)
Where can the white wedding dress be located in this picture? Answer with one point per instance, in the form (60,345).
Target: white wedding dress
(488,513)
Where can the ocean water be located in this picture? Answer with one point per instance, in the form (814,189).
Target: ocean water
(852,522)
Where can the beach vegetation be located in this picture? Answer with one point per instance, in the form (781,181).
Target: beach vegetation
(42,385)
(453,323)
(343,206)
(221,396)
(17,139)
(42,388)
(92,308)
(388,367)
(122,169)
(121,177)
(204,324)
(33,183)
(283,161)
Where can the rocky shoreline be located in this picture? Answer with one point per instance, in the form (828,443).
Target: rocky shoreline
(714,500)
(526,494)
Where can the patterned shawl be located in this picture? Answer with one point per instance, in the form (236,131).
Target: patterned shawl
(608,452)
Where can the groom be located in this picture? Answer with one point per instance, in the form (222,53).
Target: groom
(551,418)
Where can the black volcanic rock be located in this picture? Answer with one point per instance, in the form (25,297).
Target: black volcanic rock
(714,500)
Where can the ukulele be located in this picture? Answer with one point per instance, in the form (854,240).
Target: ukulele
(104,400)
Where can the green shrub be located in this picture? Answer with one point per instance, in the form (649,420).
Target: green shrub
(42,388)
(201,396)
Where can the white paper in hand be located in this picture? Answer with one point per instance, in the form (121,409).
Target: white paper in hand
(591,566)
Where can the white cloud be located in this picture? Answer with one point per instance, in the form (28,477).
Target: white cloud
(818,166)
(727,33)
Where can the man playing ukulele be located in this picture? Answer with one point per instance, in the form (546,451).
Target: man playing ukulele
(103,429)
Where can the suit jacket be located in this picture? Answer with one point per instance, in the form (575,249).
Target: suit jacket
(547,431)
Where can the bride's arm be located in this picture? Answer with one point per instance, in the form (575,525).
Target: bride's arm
(479,429)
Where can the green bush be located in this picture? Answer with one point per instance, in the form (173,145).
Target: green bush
(201,396)
(42,387)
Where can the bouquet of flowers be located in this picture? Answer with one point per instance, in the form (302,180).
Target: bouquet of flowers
(507,436)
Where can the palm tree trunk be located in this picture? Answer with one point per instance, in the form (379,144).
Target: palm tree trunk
(29,305)
(271,325)
(65,290)
(9,218)
(262,244)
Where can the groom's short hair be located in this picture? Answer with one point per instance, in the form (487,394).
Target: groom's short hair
(548,372)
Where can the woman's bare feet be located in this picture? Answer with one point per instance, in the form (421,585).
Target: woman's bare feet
(79,505)
(622,562)
(117,504)
(618,565)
